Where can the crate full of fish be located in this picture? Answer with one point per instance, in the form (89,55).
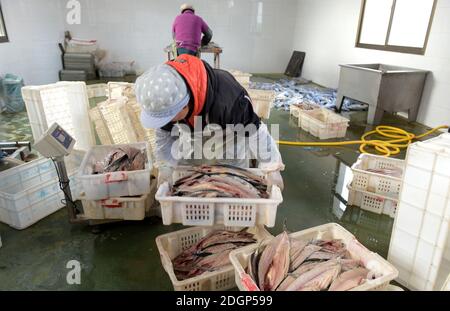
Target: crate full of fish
(378,174)
(326,257)
(197,259)
(323,123)
(110,171)
(372,202)
(208,195)
(123,208)
(297,108)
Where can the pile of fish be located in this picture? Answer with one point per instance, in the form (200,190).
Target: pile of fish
(293,91)
(210,253)
(220,181)
(288,264)
(393,172)
(121,159)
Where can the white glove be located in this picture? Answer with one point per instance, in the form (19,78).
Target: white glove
(274,178)
(164,175)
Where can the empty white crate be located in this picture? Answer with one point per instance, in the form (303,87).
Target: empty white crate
(323,123)
(242,77)
(365,180)
(262,102)
(124,208)
(420,244)
(235,212)
(372,261)
(67,104)
(372,202)
(172,244)
(97,90)
(30,192)
(114,184)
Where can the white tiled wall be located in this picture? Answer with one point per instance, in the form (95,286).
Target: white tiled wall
(140,29)
(326,31)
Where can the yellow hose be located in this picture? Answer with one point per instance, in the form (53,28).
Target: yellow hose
(397,139)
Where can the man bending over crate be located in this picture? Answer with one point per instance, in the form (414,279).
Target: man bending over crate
(187,102)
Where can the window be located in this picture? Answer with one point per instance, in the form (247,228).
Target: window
(395,25)
(3,34)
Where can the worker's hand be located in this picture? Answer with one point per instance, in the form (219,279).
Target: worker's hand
(274,178)
(164,174)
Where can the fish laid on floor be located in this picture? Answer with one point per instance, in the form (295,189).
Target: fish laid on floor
(210,253)
(289,264)
(121,159)
(220,181)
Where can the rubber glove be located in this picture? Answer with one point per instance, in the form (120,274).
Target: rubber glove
(164,175)
(274,178)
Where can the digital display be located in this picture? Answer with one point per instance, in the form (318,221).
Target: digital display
(62,137)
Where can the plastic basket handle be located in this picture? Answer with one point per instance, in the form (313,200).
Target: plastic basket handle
(115,177)
(248,283)
(111,203)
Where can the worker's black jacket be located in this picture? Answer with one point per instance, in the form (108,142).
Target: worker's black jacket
(227,102)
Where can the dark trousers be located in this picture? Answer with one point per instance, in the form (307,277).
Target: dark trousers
(186,51)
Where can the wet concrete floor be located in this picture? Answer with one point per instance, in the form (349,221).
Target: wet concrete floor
(124,255)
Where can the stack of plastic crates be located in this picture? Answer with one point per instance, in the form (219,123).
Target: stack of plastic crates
(242,77)
(31,191)
(121,195)
(323,123)
(376,184)
(208,214)
(67,104)
(420,243)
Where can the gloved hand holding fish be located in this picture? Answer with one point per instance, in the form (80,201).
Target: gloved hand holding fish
(121,159)
(221,181)
(210,253)
(288,264)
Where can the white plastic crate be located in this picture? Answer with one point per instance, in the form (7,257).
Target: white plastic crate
(63,102)
(296,110)
(115,184)
(235,212)
(30,192)
(97,90)
(117,90)
(262,102)
(420,243)
(172,244)
(446,286)
(124,208)
(100,126)
(372,261)
(323,123)
(374,182)
(242,77)
(372,202)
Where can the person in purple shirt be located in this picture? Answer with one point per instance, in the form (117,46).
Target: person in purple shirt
(187,30)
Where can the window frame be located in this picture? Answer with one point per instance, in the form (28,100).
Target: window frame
(4,38)
(386,46)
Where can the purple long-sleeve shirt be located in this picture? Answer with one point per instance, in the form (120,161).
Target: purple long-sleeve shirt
(188,29)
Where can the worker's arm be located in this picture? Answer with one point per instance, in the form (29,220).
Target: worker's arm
(207,33)
(165,162)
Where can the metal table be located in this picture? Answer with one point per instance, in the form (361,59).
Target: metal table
(210,48)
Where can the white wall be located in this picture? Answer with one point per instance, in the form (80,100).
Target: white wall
(34,28)
(140,29)
(326,31)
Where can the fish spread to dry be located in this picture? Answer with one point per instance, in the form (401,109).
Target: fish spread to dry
(289,264)
(121,159)
(210,253)
(220,181)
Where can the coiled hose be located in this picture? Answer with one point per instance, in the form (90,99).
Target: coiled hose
(396,139)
